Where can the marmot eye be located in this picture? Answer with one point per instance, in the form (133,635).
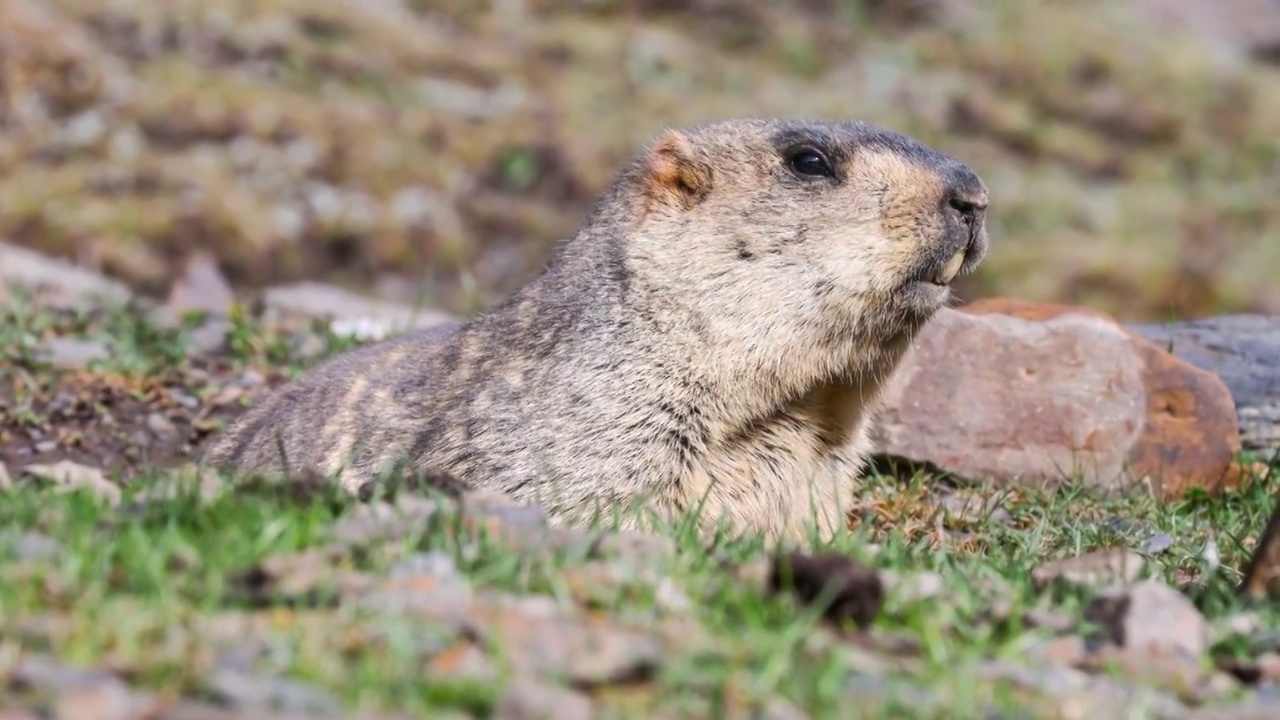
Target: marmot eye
(809,162)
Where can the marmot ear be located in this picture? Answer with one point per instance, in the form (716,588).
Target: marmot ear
(672,174)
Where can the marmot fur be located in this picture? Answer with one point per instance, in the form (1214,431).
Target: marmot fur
(714,336)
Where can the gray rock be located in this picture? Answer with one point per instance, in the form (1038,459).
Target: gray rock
(525,699)
(1243,350)
(1150,616)
(1156,544)
(69,476)
(1100,567)
(73,353)
(273,693)
(66,284)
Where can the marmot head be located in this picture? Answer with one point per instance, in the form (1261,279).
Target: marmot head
(837,226)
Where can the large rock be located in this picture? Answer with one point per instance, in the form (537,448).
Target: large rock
(1243,350)
(60,283)
(1013,392)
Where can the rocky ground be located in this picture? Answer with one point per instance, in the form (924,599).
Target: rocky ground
(132,588)
(437,149)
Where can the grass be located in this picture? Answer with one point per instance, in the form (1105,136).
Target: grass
(139,587)
(157,587)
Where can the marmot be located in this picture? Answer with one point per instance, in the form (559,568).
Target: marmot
(713,337)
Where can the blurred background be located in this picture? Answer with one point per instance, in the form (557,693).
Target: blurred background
(432,151)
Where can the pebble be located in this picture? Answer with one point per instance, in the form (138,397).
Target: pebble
(525,699)
(74,353)
(1099,567)
(275,693)
(71,476)
(1150,616)
(1156,544)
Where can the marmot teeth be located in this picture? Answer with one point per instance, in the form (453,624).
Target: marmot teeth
(952,268)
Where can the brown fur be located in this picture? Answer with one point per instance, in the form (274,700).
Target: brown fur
(717,331)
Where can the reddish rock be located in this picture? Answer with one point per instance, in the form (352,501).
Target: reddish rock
(1013,392)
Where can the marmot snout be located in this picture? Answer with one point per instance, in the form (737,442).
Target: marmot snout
(714,336)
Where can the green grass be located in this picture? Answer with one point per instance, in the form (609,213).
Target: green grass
(131,584)
(156,587)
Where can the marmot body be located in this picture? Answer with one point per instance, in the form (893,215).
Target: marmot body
(714,336)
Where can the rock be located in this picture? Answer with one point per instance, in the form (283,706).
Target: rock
(349,314)
(1150,616)
(426,586)
(73,353)
(1100,567)
(1012,392)
(1255,708)
(60,283)
(379,520)
(200,288)
(912,587)
(587,651)
(1156,544)
(303,576)
(1244,351)
(6,480)
(70,476)
(1065,651)
(276,694)
(525,699)
(463,661)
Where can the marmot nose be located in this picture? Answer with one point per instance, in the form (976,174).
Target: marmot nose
(966,192)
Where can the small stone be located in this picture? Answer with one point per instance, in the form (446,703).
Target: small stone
(637,548)
(463,661)
(74,353)
(161,427)
(210,337)
(912,587)
(301,576)
(565,646)
(1066,651)
(108,700)
(501,519)
(1268,668)
(70,476)
(1150,616)
(276,693)
(64,284)
(1156,544)
(201,288)
(6,480)
(525,699)
(378,520)
(1241,623)
(1100,567)
(34,546)
(424,585)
